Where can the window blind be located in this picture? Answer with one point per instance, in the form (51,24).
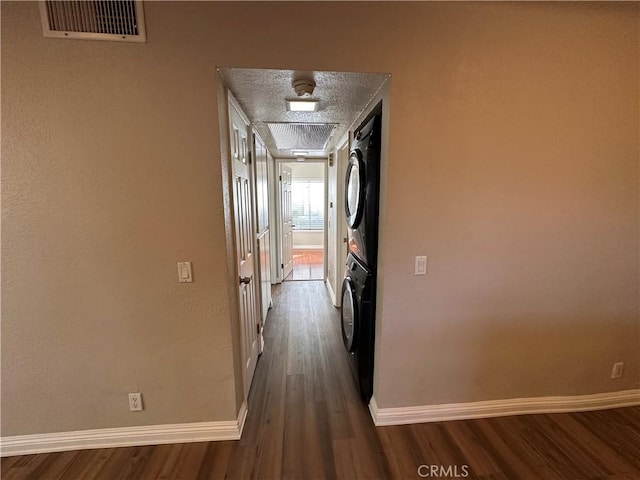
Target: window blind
(307,203)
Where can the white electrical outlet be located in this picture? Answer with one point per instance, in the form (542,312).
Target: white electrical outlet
(616,372)
(135,402)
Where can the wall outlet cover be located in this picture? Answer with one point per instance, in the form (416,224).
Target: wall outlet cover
(135,402)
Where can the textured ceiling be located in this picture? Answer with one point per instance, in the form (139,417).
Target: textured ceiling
(261,93)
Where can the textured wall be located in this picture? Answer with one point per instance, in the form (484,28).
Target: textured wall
(109,177)
(512,163)
(514,166)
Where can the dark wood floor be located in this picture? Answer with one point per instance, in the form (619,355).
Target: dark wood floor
(305,421)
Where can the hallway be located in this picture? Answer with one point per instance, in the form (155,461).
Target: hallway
(305,421)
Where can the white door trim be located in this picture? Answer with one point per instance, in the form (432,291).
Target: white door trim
(341,250)
(285,179)
(234,102)
(278,214)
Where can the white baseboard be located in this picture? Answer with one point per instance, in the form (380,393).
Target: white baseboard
(499,408)
(331,292)
(124,437)
(242,418)
(308,247)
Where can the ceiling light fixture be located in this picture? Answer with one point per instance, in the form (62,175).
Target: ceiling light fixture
(300,152)
(303,87)
(302,105)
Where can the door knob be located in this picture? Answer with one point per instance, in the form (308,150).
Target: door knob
(245,280)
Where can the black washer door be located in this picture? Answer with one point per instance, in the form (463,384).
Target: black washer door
(349,315)
(354,189)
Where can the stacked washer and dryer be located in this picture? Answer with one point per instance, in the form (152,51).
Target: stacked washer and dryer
(362,192)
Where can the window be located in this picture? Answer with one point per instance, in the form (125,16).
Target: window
(307,203)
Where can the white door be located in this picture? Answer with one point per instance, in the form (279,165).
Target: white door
(287,226)
(242,208)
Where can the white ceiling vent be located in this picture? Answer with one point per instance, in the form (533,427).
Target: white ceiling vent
(118,20)
(307,136)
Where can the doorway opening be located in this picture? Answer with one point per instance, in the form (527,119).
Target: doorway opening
(308,187)
(294,196)
(281,135)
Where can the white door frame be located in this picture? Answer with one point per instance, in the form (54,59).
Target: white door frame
(277,258)
(341,227)
(285,184)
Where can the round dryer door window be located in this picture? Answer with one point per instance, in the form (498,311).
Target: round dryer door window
(349,313)
(354,189)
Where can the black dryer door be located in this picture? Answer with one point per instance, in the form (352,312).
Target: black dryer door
(354,189)
(349,315)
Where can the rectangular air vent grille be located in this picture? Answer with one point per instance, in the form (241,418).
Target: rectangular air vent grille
(307,136)
(120,20)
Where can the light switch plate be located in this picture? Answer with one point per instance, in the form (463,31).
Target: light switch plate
(184,272)
(421,265)
(616,372)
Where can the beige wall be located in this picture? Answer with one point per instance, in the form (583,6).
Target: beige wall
(522,189)
(308,238)
(308,169)
(110,175)
(513,164)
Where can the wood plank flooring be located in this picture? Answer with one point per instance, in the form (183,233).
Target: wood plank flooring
(308,264)
(306,421)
